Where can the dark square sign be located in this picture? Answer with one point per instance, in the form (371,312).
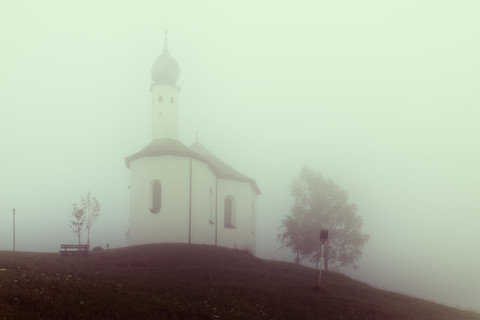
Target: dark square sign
(323,235)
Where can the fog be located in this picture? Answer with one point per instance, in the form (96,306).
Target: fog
(380,97)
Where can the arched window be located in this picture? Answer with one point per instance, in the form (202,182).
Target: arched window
(156,197)
(229,216)
(211,207)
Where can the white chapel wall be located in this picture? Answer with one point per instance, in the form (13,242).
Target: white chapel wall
(203,203)
(171,223)
(242,236)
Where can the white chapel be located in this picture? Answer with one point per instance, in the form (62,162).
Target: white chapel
(181,194)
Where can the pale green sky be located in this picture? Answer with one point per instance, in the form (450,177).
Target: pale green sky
(381,97)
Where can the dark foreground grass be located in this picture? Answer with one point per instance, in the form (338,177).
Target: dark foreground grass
(191,282)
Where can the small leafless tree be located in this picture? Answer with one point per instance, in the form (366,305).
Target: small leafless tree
(77,221)
(91,206)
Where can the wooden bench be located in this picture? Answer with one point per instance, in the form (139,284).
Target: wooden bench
(74,249)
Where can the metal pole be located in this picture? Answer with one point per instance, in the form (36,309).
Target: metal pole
(320,268)
(323,239)
(13,229)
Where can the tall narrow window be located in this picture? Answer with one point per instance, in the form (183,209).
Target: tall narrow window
(160,98)
(229,214)
(156,197)
(211,207)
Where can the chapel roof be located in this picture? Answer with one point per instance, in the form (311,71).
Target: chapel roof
(223,170)
(173,147)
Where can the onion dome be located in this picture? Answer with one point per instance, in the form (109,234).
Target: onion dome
(165,69)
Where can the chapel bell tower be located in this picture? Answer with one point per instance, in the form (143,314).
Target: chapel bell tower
(165,92)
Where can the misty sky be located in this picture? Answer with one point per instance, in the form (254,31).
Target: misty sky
(381,97)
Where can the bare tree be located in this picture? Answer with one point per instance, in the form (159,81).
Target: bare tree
(77,221)
(91,206)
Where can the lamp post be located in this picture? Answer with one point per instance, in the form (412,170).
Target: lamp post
(323,239)
(13,229)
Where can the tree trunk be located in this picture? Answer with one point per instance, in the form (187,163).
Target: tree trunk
(297,249)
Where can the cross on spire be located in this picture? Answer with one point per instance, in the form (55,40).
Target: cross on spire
(165,43)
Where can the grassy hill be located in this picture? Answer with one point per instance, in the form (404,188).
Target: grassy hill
(175,281)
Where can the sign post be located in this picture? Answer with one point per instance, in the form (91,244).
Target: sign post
(13,229)
(323,239)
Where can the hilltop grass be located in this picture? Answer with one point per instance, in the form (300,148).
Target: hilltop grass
(175,281)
